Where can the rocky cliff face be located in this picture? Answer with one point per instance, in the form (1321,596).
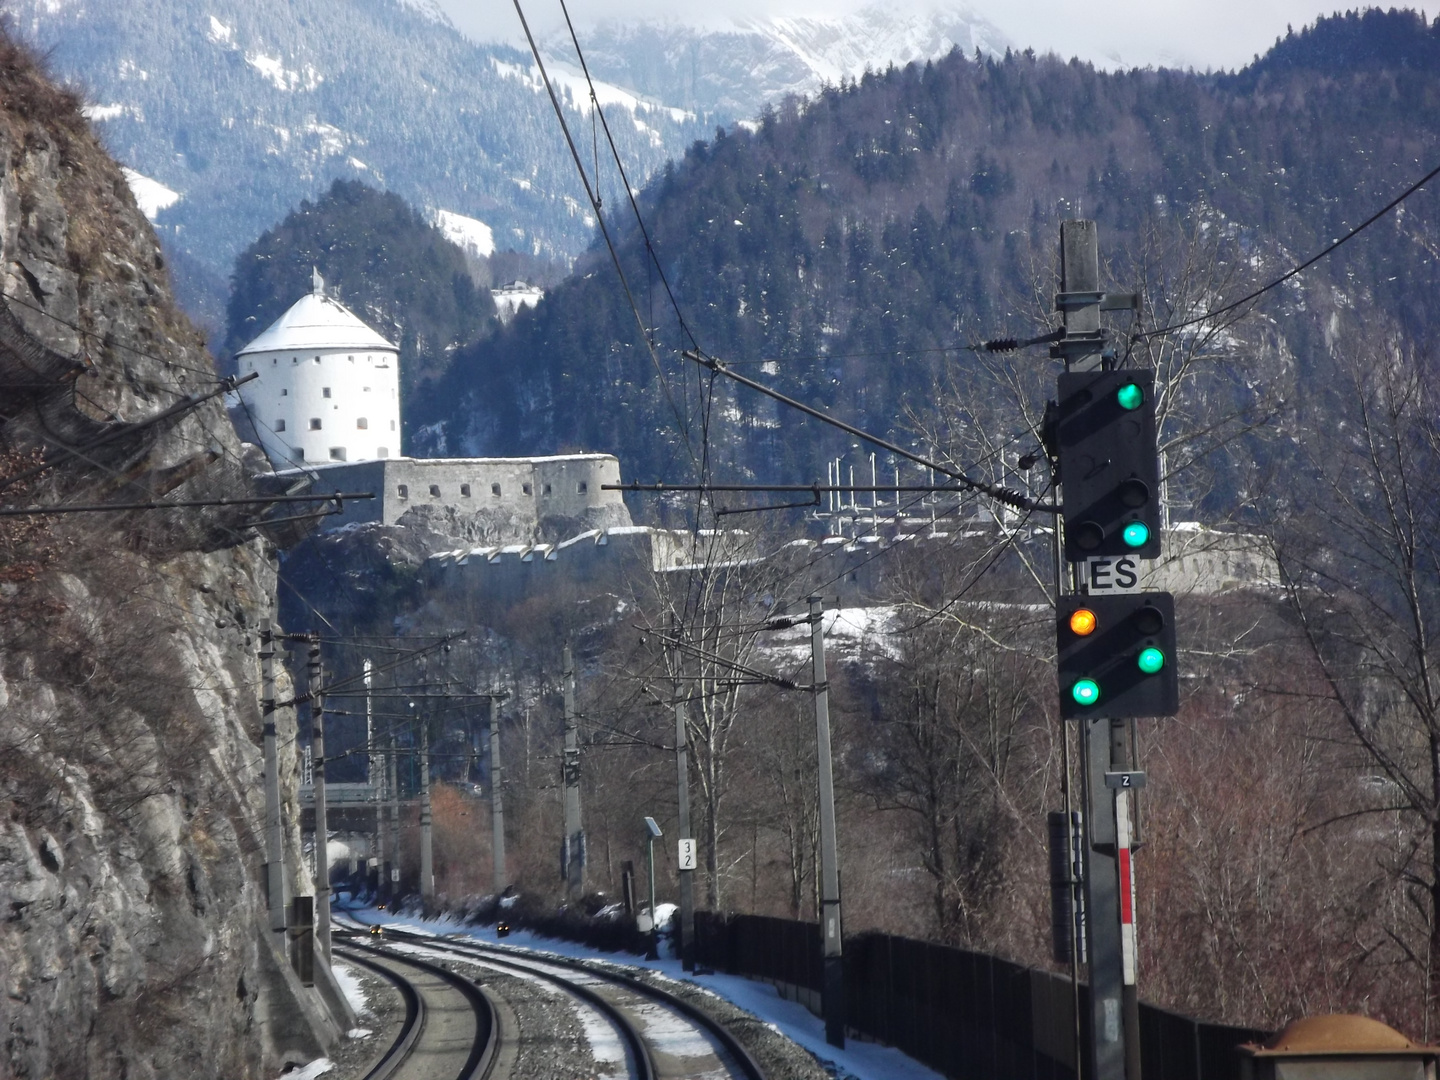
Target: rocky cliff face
(131,802)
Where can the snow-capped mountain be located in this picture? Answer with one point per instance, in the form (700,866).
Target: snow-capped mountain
(231,112)
(735,70)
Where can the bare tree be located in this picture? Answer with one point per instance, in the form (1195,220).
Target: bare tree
(705,616)
(1358,554)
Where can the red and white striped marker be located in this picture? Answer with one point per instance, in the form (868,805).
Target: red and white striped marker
(1127,886)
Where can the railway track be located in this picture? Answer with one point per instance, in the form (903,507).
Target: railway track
(449,1028)
(663,1036)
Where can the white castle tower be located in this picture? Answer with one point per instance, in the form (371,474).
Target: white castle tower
(329,386)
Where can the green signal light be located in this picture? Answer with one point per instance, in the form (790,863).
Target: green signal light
(1130,396)
(1085,692)
(1135,534)
(1151,660)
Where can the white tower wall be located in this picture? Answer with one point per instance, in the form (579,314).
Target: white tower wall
(325,404)
(328,386)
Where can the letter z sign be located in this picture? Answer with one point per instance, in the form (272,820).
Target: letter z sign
(1112,574)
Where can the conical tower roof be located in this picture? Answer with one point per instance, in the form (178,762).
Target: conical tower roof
(317,321)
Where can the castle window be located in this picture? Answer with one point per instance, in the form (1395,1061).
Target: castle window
(362,424)
(528,489)
(314,423)
(325,391)
(279,425)
(337,453)
(382,451)
(392,425)
(547,489)
(495,490)
(582,487)
(465,490)
(403,490)
(351,359)
(284,393)
(274,360)
(435,490)
(294,359)
(317,359)
(365,389)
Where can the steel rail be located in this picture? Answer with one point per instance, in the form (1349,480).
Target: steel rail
(517,959)
(483,1051)
(414,1015)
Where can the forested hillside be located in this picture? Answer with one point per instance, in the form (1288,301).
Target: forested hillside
(381,258)
(857,241)
(241,108)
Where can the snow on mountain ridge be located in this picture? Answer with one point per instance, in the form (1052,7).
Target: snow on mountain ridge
(877,36)
(739,68)
(571,85)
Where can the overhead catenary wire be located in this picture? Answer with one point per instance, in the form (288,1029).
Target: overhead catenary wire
(1262,290)
(210,375)
(184,405)
(995,491)
(35,511)
(629,190)
(605,234)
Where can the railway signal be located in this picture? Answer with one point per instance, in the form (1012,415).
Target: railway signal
(1104,432)
(1116,656)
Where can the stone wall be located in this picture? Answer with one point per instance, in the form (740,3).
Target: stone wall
(518,495)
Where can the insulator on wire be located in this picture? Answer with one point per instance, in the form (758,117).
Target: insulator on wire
(1008,344)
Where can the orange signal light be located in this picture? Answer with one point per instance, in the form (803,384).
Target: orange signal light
(1082,622)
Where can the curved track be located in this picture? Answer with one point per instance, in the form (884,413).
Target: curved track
(449,1028)
(666,1037)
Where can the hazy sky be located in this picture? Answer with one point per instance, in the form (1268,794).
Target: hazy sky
(1197,33)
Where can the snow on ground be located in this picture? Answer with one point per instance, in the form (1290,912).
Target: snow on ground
(466,233)
(150,195)
(350,986)
(848,630)
(858,1061)
(103,112)
(316,1068)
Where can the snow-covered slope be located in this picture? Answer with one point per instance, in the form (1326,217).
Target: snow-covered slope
(236,110)
(736,69)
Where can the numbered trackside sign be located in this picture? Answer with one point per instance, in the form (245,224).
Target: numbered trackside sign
(687,855)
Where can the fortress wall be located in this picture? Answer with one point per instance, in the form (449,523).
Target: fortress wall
(527,490)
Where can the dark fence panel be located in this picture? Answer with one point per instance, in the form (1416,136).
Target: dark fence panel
(965,1014)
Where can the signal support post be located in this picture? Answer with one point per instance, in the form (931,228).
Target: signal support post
(1115,645)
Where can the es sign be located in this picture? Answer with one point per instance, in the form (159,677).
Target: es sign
(1112,574)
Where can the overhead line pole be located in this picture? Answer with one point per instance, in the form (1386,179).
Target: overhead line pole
(274,833)
(497,805)
(682,779)
(322,828)
(832,994)
(573,851)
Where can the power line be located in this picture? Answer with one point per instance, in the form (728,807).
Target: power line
(605,233)
(184,405)
(101,338)
(629,191)
(994,491)
(36,511)
(1391,205)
